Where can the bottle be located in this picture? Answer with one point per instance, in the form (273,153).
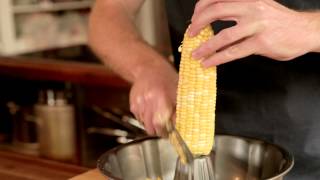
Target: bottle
(24,129)
(56,126)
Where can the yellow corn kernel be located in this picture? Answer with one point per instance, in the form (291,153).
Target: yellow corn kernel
(196,99)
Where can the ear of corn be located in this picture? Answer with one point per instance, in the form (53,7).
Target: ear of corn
(196,97)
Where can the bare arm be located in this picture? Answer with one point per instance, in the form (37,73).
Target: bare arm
(113,37)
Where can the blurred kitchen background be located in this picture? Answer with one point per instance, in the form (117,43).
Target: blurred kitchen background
(57,100)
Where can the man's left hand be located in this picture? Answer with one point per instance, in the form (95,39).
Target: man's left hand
(263,27)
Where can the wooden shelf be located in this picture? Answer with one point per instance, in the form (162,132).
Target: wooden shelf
(46,7)
(25,47)
(58,70)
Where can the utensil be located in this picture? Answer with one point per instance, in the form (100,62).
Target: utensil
(201,169)
(180,146)
(235,157)
(121,135)
(126,122)
(189,167)
(184,168)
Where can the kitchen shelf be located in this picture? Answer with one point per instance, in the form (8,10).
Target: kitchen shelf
(59,6)
(23,48)
(58,70)
(12,44)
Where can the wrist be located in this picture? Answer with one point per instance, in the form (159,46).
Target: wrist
(155,66)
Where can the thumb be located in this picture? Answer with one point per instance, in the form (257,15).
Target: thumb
(160,121)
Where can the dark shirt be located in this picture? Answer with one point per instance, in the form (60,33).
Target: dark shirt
(266,99)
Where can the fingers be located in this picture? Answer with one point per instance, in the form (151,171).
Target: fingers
(134,110)
(201,5)
(148,123)
(231,43)
(153,109)
(240,50)
(139,107)
(163,109)
(213,12)
(173,117)
(225,38)
(160,119)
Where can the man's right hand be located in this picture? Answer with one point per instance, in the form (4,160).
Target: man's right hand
(153,99)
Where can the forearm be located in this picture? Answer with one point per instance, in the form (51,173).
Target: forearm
(114,39)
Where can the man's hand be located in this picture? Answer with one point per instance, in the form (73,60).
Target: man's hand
(153,99)
(264,27)
(114,39)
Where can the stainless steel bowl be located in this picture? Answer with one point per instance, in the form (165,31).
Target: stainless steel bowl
(236,158)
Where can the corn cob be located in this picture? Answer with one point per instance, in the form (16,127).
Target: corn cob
(196,97)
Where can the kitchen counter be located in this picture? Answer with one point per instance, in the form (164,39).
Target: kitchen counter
(21,167)
(92,174)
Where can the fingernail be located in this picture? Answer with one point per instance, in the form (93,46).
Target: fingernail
(196,55)
(191,32)
(133,108)
(150,131)
(208,63)
(162,120)
(204,64)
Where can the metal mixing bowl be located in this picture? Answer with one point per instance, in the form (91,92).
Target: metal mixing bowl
(236,158)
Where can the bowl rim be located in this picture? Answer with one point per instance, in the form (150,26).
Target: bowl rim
(288,166)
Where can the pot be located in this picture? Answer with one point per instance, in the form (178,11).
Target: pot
(236,158)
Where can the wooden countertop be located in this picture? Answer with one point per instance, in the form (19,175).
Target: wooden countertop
(92,174)
(21,167)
